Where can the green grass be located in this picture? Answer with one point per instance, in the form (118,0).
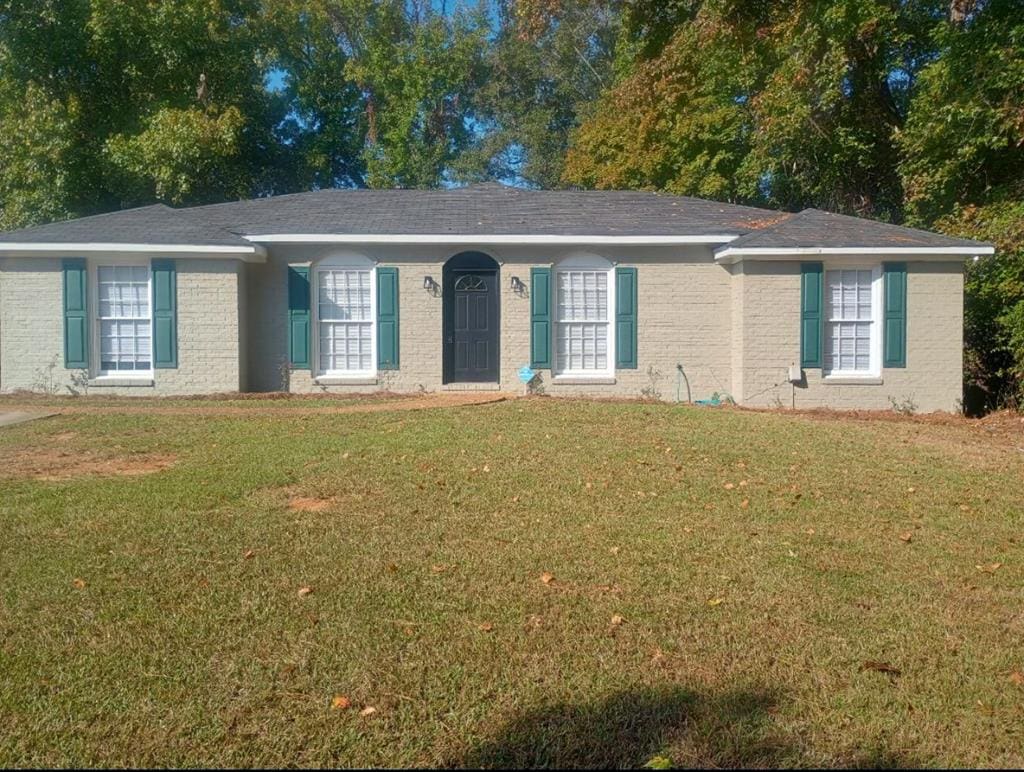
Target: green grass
(745,627)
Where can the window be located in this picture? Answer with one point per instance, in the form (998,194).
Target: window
(852,328)
(582,321)
(123,311)
(345,320)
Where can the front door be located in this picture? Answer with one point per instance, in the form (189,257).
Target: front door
(471,326)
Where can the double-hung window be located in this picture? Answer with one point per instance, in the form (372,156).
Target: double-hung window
(124,320)
(345,320)
(583,313)
(853,324)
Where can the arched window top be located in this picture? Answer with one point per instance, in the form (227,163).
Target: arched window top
(345,259)
(583,261)
(470,283)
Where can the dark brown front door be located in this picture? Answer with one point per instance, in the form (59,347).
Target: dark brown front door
(471,326)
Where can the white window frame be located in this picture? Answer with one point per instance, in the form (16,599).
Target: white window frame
(877,323)
(96,370)
(343,262)
(569,264)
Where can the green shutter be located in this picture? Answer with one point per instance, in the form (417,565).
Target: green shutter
(298,317)
(812,298)
(895,315)
(165,314)
(540,318)
(387,318)
(76,314)
(625,318)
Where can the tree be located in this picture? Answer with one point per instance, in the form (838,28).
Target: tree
(541,78)
(963,166)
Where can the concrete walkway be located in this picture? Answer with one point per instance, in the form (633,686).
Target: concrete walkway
(10,418)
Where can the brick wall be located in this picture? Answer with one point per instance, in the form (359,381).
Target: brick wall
(770,339)
(32,342)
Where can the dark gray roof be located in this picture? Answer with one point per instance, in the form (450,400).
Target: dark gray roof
(487,209)
(157,224)
(815,228)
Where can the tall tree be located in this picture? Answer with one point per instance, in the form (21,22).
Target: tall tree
(963,171)
(543,74)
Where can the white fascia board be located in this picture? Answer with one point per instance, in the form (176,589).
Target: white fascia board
(464,238)
(255,253)
(729,255)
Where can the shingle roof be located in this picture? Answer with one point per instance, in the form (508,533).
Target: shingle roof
(487,209)
(157,224)
(815,228)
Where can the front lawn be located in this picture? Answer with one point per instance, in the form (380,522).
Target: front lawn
(533,582)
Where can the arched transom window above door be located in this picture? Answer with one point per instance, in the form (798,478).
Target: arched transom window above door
(470,283)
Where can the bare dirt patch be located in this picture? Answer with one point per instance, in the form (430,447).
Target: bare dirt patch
(55,464)
(309,504)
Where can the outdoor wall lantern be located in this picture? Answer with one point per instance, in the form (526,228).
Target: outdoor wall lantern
(517,285)
(429,284)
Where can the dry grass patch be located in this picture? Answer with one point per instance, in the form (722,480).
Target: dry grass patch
(57,464)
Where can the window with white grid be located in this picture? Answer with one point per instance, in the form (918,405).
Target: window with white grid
(581,322)
(345,314)
(850,314)
(123,311)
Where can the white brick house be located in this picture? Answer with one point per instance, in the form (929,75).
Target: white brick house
(601,293)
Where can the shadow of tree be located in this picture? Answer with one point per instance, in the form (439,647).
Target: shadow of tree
(629,728)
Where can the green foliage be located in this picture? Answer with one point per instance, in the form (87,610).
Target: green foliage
(965,132)
(182,155)
(542,76)
(994,311)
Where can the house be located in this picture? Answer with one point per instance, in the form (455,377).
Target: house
(599,292)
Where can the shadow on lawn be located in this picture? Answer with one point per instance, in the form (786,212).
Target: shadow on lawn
(631,727)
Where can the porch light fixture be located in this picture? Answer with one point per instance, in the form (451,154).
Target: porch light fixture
(429,284)
(517,285)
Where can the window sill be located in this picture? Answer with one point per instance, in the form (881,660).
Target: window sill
(111,381)
(852,380)
(337,380)
(580,380)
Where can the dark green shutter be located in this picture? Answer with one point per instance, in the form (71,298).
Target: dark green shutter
(165,314)
(298,317)
(625,318)
(387,318)
(540,318)
(76,314)
(895,315)
(812,299)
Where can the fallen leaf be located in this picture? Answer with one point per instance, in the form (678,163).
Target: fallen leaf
(810,532)
(729,486)
(341,702)
(249,554)
(547,577)
(487,468)
(344,455)
(369,710)
(614,550)
(79,584)
(486,627)
(880,667)
(745,503)
(304,591)
(910,490)
(617,620)
(906,536)
(715,601)
(1017,678)
(991,568)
